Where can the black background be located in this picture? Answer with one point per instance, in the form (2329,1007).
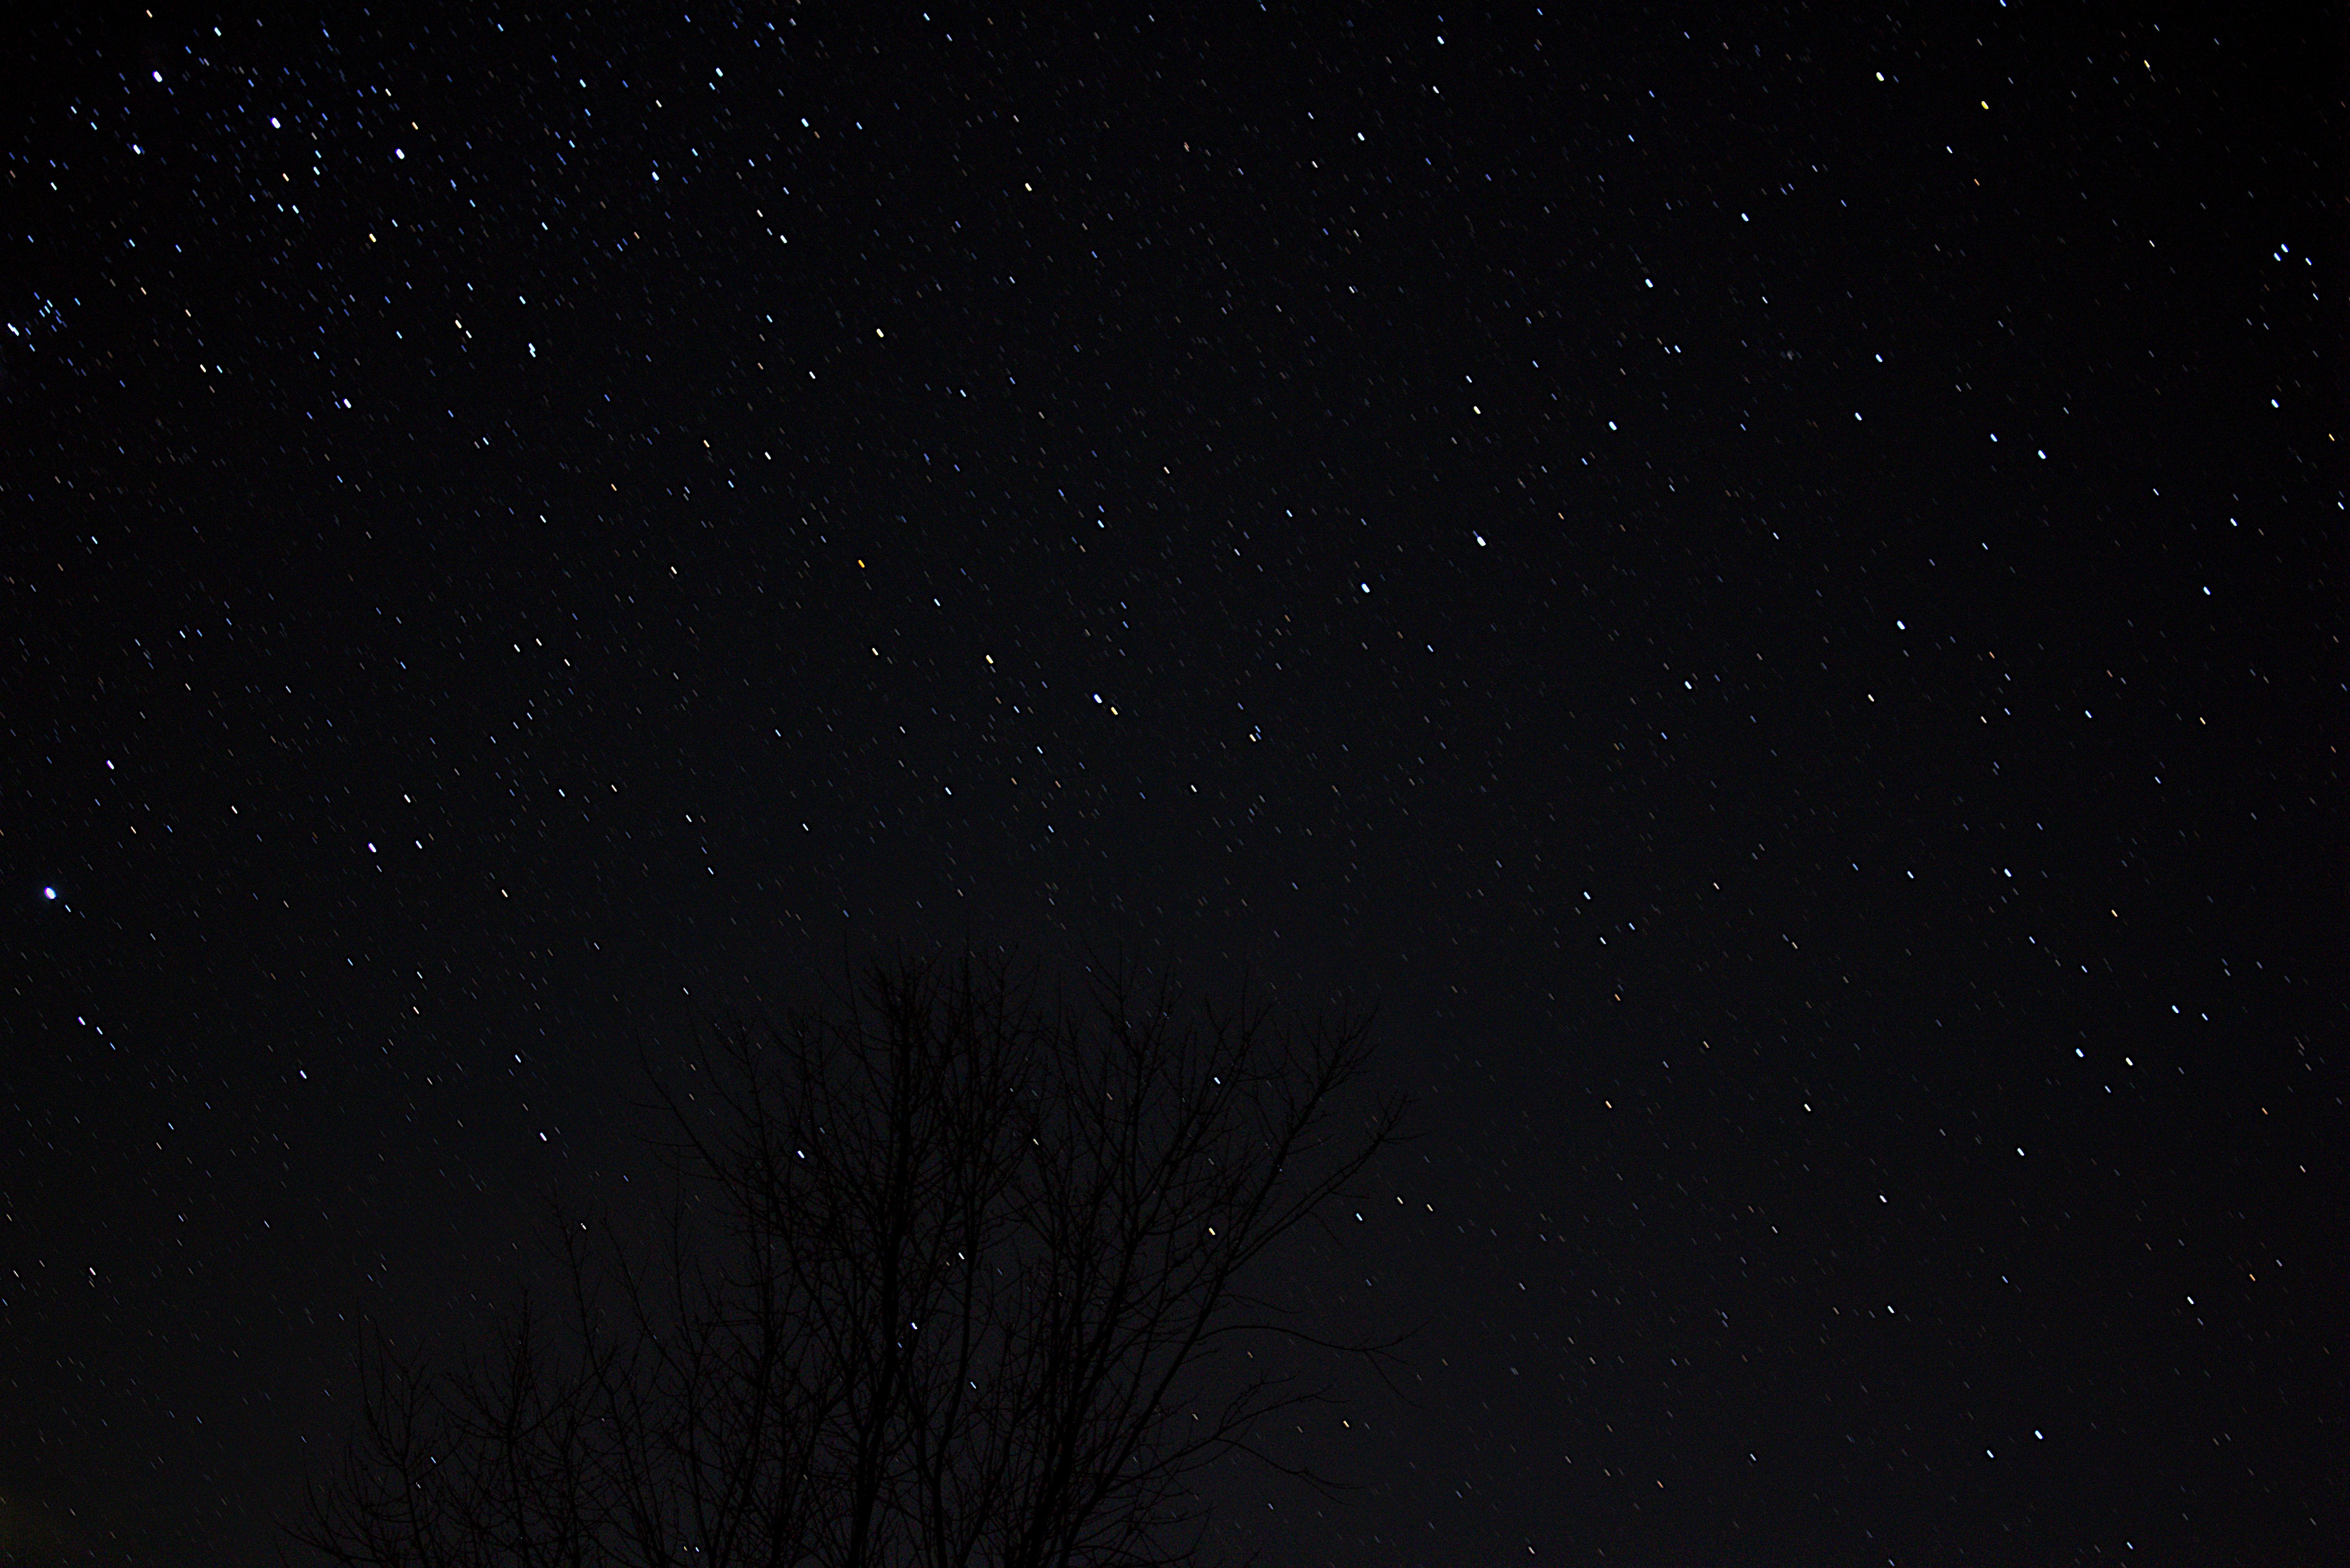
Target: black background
(1765,584)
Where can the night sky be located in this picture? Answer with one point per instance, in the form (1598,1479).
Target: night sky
(1767,587)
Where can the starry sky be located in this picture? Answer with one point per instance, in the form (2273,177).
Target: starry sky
(1766,585)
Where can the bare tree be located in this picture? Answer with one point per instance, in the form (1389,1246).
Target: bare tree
(953,1278)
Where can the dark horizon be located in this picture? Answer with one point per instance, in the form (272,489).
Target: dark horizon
(1768,592)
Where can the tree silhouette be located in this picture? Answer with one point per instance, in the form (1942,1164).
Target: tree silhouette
(952,1278)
